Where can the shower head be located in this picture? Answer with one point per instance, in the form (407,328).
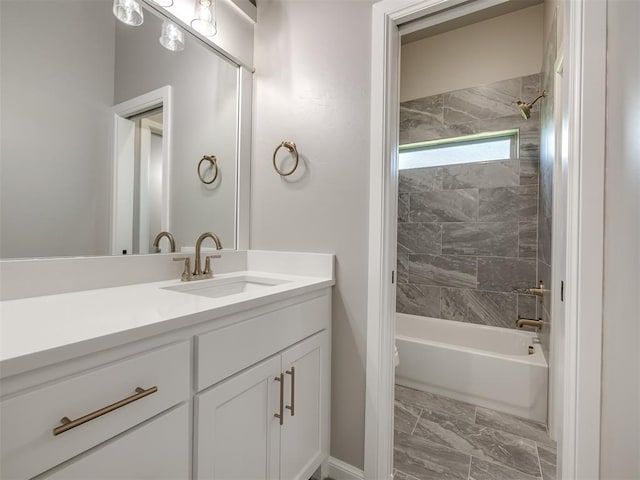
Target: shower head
(525,108)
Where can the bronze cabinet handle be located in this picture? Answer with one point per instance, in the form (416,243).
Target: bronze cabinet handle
(280,415)
(291,407)
(68,424)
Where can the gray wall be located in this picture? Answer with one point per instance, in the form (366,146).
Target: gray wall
(54,156)
(204,122)
(620,434)
(312,87)
(467,234)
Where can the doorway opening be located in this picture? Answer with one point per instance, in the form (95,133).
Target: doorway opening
(473,249)
(425,275)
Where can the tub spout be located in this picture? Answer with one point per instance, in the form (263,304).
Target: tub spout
(521,322)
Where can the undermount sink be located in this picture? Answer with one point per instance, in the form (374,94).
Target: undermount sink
(223,287)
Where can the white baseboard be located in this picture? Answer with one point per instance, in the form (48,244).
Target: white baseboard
(339,470)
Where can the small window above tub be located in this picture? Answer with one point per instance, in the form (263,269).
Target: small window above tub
(467,149)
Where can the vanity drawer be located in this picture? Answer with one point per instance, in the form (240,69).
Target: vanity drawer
(28,445)
(156,450)
(225,351)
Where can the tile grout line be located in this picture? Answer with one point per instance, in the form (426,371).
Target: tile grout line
(538,456)
(418,420)
(469,472)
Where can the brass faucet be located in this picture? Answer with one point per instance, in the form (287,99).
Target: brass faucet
(156,241)
(197,271)
(529,322)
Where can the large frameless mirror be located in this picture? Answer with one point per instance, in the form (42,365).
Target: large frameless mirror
(104,128)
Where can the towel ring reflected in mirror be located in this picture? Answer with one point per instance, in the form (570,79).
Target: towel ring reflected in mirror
(292,149)
(214,165)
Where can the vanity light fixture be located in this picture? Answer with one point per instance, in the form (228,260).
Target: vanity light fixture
(171,37)
(128,11)
(204,20)
(164,3)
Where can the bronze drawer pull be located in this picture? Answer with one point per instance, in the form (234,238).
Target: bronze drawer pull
(68,424)
(280,415)
(291,407)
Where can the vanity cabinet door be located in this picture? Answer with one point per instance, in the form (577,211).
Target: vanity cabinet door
(238,436)
(305,433)
(157,450)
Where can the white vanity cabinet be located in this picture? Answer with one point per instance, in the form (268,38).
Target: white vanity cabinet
(195,402)
(269,421)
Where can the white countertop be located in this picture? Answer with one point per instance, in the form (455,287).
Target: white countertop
(42,330)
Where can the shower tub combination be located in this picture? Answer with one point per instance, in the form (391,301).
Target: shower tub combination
(486,366)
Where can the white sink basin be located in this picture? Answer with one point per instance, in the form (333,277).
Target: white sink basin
(223,287)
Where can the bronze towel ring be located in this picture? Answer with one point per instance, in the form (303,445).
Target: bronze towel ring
(292,149)
(214,164)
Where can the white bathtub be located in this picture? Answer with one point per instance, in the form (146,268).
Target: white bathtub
(487,366)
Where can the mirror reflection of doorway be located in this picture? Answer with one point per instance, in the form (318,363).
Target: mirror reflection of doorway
(147,185)
(141,167)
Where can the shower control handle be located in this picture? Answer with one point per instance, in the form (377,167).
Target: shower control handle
(539,291)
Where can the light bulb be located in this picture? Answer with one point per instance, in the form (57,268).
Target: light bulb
(128,11)
(204,20)
(171,37)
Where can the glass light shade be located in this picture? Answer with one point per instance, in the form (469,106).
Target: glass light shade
(128,11)
(204,20)
(171,37)
(164,3)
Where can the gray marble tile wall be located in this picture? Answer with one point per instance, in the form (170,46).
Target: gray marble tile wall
(468,233)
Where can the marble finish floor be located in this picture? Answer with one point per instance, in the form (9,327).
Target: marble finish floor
(440,438)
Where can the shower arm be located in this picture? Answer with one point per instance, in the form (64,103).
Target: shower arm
(543,94)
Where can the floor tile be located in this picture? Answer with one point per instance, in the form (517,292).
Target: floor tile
(405,417)
(456,408)
(481,442)
(495,446)
(426,460)
(548,462)
(511,424)
(483,470)
(403,476)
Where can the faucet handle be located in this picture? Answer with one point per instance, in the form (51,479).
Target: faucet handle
(186,274)
(207,263)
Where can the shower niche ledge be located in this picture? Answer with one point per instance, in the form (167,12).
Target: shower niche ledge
(149,381)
